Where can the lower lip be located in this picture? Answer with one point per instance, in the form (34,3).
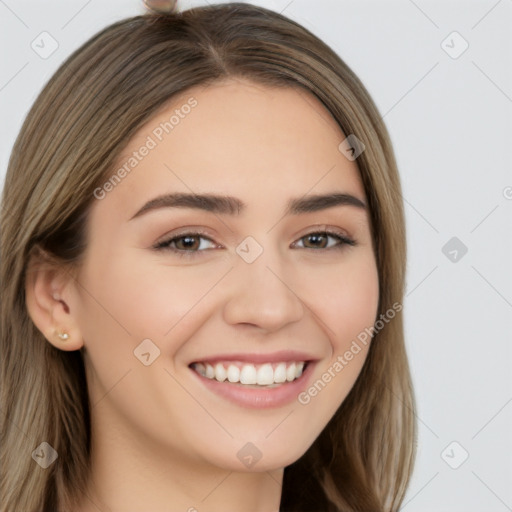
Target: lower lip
(263,398)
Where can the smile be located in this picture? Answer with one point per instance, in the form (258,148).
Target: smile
(273,384)
(257,375)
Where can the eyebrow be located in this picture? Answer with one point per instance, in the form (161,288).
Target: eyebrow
(233,206)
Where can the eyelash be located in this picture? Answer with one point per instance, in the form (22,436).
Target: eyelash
(165,244)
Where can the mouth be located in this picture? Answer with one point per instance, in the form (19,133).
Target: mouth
(255,380)
(266,375)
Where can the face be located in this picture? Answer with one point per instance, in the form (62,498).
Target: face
(272,276)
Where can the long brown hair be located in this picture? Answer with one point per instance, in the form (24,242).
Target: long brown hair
(87,113)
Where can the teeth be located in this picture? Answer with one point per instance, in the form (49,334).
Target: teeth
(266,374)
(220,372)
(280,373)
(290,372)
(199,367)
(210,372)
(233,373)
(248,374)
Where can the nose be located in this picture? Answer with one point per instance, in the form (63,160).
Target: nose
(263,295)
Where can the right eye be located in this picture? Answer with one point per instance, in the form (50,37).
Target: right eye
(185,244)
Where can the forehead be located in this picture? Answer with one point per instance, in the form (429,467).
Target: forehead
(236,138)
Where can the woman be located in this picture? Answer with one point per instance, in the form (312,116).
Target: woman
(203,261)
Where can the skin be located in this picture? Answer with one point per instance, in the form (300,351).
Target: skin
(162,441)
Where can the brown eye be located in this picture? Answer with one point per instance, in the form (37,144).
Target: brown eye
(320,240)
(187,243)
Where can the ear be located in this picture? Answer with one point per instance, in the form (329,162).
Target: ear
(48,284)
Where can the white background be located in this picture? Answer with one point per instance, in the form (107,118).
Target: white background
(450,121)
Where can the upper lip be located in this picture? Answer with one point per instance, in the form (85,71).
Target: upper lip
(274,357)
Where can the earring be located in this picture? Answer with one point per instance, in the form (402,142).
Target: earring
(63,336)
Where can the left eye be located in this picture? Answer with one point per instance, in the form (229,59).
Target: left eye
(323,236)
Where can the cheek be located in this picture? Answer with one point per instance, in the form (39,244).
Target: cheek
(345,305)
(146,299)
(352,311)
(345,298)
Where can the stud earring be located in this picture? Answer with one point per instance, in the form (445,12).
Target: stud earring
(63,336)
